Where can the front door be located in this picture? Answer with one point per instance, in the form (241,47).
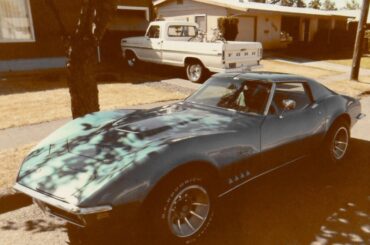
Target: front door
(153,45)
(288,134)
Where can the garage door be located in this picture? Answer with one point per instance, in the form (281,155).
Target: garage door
(246,29)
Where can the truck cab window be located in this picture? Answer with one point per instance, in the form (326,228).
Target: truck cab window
(153,32)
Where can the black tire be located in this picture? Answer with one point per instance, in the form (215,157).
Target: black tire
(162,211)
(337,142)
(195,71)
(131,60)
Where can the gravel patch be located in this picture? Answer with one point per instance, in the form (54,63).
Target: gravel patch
(170,87)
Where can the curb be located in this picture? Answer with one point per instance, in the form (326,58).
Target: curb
(11,200)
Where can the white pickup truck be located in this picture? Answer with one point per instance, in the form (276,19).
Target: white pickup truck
(175,43)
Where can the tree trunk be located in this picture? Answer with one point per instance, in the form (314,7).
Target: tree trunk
(357,53)
(81,47)
(82,84)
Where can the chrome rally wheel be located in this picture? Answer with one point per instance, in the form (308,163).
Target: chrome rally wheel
(188,211)
(340,143)
(181,209)
(337,142)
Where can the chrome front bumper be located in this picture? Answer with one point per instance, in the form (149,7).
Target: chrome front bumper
(43,201)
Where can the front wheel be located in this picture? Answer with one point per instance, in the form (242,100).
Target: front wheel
(337,142)
(131,60)
(195,71)
(182,210)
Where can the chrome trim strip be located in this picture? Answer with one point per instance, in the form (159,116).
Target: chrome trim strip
(254,177)
(171,51)
(269,101)
(60,204)
(361,116)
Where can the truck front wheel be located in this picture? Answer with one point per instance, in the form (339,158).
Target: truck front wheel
(195,71)
(131,60)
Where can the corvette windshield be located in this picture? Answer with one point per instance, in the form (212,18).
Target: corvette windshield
(246,96)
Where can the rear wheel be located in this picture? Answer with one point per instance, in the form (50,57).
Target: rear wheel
(195,71)
(337,142)
(181,210)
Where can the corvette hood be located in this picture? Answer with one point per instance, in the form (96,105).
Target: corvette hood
(86,153)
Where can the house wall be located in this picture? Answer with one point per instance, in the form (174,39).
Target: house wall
(189,9)
(266,29)
(47,34)
(314,25)
(47,51)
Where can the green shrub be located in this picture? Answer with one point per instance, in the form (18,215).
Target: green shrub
(228,26)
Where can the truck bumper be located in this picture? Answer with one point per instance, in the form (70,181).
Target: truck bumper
(235,70)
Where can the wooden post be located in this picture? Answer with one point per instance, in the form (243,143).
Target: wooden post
(357,53)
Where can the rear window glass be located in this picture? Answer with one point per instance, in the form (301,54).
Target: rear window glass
(181,31)
(292,91)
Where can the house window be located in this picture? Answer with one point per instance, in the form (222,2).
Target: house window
(202,22)
(16,21)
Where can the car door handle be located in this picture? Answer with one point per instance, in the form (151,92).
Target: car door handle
(314,106)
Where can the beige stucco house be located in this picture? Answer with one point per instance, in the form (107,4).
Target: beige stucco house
(264,23)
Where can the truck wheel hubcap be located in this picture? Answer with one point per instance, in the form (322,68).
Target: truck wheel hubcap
(131,61)
(188,211)
(195,71)
(340,143)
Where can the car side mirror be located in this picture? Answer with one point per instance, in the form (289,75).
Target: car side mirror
(288,105)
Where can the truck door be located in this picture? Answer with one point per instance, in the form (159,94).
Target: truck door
(152,50)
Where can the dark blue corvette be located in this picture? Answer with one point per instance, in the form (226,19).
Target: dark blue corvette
(167,165)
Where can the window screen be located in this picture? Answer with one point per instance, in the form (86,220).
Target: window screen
(15,21)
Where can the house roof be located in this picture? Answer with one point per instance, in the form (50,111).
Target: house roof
(247,6)
(355,14)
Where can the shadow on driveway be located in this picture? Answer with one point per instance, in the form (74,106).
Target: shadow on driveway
(305,203)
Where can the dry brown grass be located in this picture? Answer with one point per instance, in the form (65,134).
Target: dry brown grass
(350,88)
(276,66)
(35,107)
(10,160)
